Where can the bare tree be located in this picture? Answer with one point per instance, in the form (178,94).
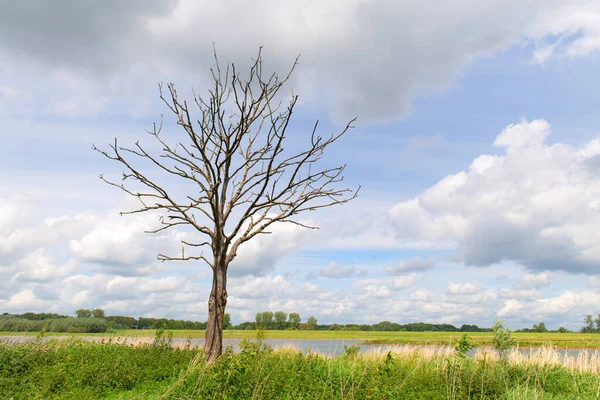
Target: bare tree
(243,179)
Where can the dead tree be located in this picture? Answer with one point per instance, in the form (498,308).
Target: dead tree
(243,180)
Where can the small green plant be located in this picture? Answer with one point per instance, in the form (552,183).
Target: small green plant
(40,335)
(162,339)
(351,352)
(386,368)
(464,345)
(503,339)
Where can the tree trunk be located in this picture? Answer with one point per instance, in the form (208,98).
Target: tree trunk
(213,339)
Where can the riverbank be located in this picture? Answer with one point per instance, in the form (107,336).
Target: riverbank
(75,369)
(559,340)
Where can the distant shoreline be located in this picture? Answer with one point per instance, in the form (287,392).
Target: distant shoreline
(573,341)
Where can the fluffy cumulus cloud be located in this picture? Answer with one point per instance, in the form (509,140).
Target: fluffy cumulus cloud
(104,260)
(458,288)
(535,203)
(531,204)
(120,244)
(261,254)
(372,54)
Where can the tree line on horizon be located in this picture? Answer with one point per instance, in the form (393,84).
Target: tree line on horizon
(96,321)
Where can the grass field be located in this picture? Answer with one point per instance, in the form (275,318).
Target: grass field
(77,369)
(560,340)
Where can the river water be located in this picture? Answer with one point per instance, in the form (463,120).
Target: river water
(325,346)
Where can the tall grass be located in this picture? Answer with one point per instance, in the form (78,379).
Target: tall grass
(138,369)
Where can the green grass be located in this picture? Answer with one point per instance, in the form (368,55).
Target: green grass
(561,340)
(76,369)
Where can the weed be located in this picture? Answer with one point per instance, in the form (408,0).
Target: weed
(464,345)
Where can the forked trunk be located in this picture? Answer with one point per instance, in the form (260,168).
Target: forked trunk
(213,339)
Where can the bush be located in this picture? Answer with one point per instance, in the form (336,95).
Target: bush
(503,338)
(70,325)
(351,352)
(464,345)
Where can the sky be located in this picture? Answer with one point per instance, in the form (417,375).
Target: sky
(476,147)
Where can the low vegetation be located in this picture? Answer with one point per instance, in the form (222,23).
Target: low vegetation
(76,369)
(265,320)
(64,325)
(480,339)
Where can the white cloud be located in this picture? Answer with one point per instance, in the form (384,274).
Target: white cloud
(523,135)
(375,292)
(520,294)
(594,281)
(404,282)
(537,280)
(39,267)
(116,240)
(335,270)
(511,307)
(416,264)
(259,287)
(465,288)
(369,54)
(424,296)
(261,254)
(384,288)
(537,205)
(25,300)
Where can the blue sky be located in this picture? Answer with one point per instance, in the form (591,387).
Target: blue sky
(476,147)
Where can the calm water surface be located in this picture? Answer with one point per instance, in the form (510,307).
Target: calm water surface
(325,346)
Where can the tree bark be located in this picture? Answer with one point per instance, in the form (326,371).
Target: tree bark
(213,339)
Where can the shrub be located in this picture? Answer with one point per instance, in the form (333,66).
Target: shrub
(352,351)
(464,345)
(73,325)
(503,338)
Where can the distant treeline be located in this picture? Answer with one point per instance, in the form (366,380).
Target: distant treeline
(95,321)
(11,323)
(88,323)
(120,322)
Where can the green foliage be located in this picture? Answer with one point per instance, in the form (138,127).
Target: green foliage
(157,323)
(464,345)
(227,321)
(78,369)
(470,328)
(351,351)
(36,316)
(294,320)
(83,313)
(503,337)
(540,328)
(32,322)
(162,339)
(70,325)
(592,325)
(122,322)
(305,326)
(280,320)
(264,320)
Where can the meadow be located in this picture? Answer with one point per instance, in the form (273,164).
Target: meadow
(76,369)
(559,340)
